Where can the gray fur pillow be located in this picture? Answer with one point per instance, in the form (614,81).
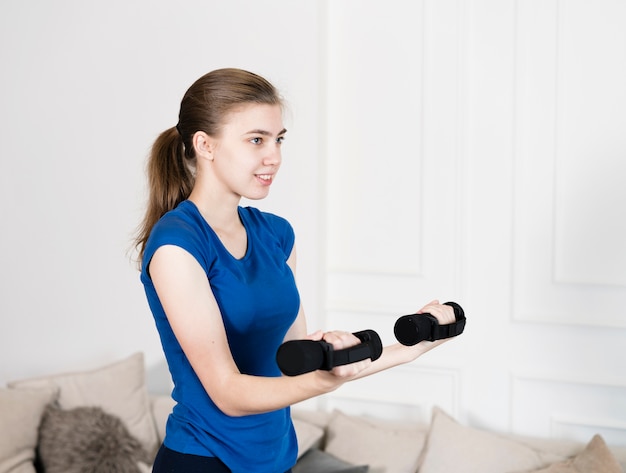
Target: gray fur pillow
(87,439)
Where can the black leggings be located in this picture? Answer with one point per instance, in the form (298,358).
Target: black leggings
(169,461)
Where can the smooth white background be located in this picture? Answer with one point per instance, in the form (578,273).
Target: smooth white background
(462,150)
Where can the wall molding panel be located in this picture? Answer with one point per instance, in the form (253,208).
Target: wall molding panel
(586,427)
(422,389)
(476,152)
(556,407)
(392,232)
(375,66)
(569,247)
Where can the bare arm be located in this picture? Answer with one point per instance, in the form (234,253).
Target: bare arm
(194,315)
(397,354)
(393,355)
(298,330)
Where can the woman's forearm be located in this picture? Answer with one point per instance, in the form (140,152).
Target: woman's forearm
(397,354)
(240,394)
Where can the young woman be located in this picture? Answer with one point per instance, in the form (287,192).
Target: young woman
(219,279)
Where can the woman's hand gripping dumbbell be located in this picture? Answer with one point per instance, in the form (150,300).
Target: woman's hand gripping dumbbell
(297,357)
(414,328)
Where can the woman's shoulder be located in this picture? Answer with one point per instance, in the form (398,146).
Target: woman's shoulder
(182,226)
(183,218)
(269,226)
(262,218)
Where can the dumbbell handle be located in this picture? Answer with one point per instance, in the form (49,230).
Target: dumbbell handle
(297,357)
(414,328)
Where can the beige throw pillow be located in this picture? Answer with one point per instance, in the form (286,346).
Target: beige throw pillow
(384,446)
(162,407)
(20,415)
(118,388)
(308,435)
(596,457)
(452,447)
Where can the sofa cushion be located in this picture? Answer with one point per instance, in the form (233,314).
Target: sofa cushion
(384,446)
(316,461)
(315,417)
(595,457)
(162,407)
(20,415)
(566,448)
(87,439)
(118,388)
(308,435)
(453,447)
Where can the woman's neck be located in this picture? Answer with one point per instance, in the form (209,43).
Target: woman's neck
(220,213)
(223,218)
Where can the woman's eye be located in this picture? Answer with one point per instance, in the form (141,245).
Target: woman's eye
(280,140)
(256,141)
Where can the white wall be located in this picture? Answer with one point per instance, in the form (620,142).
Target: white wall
(85,89)
(476,153)
(465,150)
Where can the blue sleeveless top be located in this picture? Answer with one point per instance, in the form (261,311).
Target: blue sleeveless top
(259,302)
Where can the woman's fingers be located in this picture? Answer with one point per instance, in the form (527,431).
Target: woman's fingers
(315,336)
(340,340)
(443,313)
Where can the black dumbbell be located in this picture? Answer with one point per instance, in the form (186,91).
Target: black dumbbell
(414,328)
(303,356)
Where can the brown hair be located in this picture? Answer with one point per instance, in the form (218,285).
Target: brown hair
(204,107)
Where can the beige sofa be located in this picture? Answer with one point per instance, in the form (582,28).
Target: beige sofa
(107,422)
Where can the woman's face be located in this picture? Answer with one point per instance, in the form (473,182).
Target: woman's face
(247,154)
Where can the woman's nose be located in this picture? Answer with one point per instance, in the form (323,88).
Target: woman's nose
(273,157)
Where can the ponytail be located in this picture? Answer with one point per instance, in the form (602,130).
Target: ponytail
(204,107)
(170,181)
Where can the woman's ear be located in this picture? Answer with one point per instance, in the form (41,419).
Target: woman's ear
(204,145)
